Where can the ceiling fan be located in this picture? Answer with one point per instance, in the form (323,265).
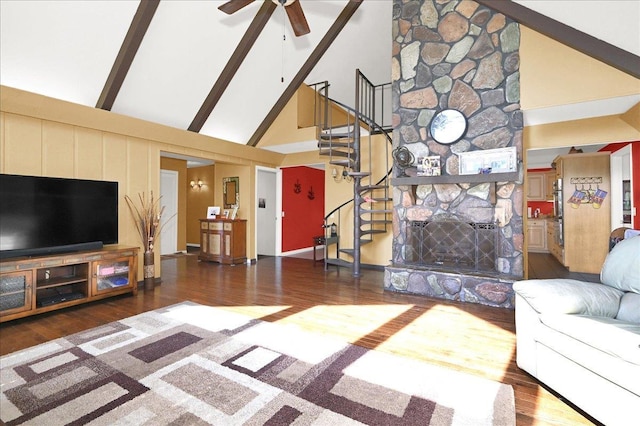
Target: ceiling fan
(293,8)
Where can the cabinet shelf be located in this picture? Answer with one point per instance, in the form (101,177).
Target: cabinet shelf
(59,282)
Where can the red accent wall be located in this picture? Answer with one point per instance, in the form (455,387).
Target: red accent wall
(303,217)
(635,172)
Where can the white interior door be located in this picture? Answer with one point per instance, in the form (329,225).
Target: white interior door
(169,192)
(621,167)
(266,215)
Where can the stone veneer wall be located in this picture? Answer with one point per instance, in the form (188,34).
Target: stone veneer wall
(456,54)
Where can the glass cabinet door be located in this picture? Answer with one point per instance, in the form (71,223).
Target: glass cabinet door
(112,275)
(15,292)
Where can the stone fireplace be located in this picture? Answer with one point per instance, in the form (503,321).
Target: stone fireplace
(455,236)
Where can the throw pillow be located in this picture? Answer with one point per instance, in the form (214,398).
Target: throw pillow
(621,268)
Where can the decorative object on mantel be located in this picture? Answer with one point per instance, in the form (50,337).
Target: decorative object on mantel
(147,218)
(429,166)
(448,126)
(500,160)
(403,158)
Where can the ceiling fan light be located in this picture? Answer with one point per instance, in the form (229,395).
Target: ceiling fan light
(285,3)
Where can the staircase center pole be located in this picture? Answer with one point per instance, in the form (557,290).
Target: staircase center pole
(357,197)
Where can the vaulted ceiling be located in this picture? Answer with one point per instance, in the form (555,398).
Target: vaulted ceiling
(188,65)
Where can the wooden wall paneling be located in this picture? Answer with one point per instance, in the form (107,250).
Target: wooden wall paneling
(58,149)
(23,145)
(89,154)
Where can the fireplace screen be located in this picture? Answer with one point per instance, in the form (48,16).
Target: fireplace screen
(452,243)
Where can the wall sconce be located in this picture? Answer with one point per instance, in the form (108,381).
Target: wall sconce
(338,177)
(196,183)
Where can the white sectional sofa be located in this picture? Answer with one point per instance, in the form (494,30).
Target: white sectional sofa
(583,339)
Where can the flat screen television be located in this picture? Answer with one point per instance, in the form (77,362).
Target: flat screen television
(46,215)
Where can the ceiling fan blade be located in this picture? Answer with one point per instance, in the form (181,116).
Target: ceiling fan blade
(297,19)
(233,6)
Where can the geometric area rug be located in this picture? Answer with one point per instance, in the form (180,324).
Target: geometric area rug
(190,364)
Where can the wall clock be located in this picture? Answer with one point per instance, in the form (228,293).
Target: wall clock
(448,126)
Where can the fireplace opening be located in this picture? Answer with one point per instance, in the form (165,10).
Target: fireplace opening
(452,243)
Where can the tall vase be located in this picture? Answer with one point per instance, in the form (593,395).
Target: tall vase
(149,271)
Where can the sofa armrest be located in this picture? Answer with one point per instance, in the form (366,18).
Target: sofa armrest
(565,296)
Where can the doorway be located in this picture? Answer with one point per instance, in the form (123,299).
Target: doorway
(169,202)
(267,224)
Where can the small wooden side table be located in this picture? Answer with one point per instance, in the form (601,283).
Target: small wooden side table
(318,241)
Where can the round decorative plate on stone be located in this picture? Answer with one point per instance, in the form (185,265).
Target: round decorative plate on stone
(448,126)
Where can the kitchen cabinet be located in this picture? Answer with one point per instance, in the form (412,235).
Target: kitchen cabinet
(537,235)
(540,185)
(549,182)
(223,240)
(553,243)
(535,186)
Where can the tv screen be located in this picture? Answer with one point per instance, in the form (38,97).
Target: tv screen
(43,215)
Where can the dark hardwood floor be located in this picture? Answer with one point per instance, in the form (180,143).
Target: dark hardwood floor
(471,338)
(544,265)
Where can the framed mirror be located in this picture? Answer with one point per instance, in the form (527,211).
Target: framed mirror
(230,191)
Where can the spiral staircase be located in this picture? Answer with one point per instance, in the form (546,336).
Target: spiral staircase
(344,137)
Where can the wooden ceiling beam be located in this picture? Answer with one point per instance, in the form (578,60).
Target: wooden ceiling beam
(133,39)
(582,42)
(308,66)
(238,56)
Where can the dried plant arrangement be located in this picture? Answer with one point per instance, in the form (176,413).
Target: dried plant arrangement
(147,218)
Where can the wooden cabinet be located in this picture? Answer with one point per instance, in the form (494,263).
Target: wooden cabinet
(549,182)
(40,284)
(540,185)
(537,236)
(535,186)
(223,240)
(553,243)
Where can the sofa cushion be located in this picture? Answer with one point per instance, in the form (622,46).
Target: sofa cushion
(618,338)
(565,296)
(629,308)
(622,265)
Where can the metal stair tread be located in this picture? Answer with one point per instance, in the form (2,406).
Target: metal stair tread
(329,136)
(372,187)
(341,162)
(335,153)
(337,262)
(373,231)
(334,144)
